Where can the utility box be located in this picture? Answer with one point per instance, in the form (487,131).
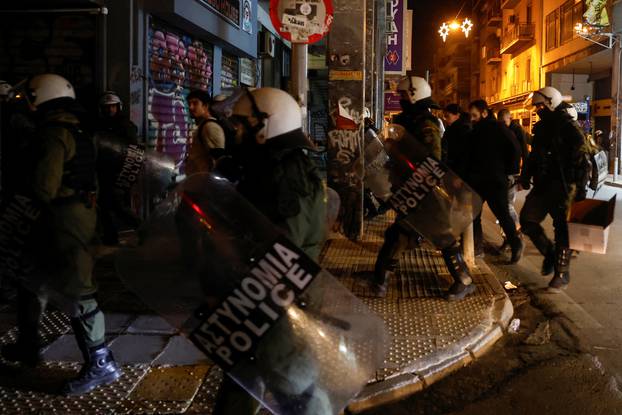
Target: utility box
(588,226)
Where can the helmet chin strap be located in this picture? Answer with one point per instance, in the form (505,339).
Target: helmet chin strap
(257,113)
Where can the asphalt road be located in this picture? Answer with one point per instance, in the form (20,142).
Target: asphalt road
(593,300)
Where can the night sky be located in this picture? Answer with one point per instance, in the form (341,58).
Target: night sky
(427,18)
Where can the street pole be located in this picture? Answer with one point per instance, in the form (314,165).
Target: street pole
(299,79)
(346,100)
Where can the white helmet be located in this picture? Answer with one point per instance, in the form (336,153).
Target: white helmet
(46,87)
(5,89)
(275,110)
(110,98)
(416,87)
(548,96)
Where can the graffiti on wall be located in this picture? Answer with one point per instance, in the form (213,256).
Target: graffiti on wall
(177,64)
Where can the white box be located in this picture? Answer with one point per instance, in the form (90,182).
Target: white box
(588,226)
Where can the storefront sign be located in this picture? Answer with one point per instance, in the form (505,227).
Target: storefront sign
(345,75)
(596,13)
(394,60)
(302,21)
(392,101)
(229,9)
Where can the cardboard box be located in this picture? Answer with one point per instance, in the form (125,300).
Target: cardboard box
(588,226)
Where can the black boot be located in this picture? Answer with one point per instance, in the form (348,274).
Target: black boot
(99,369)
(562,270)
(463,282)
(517,249)
(548,264)
(27,349)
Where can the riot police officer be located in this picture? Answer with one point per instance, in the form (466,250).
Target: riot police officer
(113,204)
(418,120)
(281,181)
(557,166)
(113,120)
(64,184)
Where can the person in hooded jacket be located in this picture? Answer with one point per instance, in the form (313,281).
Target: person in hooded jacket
(494,155)
(456,140)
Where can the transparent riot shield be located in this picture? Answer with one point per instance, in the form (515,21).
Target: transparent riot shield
(333,204)
(428,197)
(26,257)
(279,325)
(376,175)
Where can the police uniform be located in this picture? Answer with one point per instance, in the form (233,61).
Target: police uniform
(557,165)
(64,182)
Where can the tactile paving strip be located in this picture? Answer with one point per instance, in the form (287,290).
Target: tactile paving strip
(420,321)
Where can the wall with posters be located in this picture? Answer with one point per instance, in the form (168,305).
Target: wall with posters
(177,64)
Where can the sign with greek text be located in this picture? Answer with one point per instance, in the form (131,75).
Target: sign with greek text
(17,219)
(231,333)
(425,177)
(132,164)
(302,21)
(395,57)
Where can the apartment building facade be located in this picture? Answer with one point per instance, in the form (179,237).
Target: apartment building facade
(527,44)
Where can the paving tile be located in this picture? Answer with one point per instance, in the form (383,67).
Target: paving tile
(63,349)
(136,348)
(151,324)
(181,351)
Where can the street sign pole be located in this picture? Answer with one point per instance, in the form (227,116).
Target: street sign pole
(299,80)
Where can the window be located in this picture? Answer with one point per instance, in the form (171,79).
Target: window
(566,22)
(529,17)
(528,71)
(552,24)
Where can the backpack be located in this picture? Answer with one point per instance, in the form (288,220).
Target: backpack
(229,131)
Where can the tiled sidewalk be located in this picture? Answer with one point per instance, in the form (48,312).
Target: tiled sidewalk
(164,373)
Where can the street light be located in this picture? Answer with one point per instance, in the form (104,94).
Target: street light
(447,28)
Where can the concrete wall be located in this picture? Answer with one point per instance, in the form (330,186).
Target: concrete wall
(564,83)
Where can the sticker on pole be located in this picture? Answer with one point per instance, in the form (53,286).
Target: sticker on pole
(302,21)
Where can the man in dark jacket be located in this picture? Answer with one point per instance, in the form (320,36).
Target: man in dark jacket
(456,138)
(492,158)
(520,144)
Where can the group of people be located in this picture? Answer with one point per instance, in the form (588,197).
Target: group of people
(261,148)
(491,154)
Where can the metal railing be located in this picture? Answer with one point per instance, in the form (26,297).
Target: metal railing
(515,32)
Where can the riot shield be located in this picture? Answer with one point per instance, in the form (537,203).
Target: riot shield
(376,175)
(25,254)
(279,325)
(333,204)
(121,165)
(428,197)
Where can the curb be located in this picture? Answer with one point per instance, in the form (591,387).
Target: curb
(437,366)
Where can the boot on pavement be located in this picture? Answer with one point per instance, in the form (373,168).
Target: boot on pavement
(517,249)
(561,279)
(548,263)
(463,282)
(99,369)
(25,351)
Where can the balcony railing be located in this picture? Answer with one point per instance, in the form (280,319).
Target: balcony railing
(517,36)
(493,56)
(494,16)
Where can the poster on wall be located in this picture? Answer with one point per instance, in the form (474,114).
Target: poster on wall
(302,21)
(596,13)
(397,40)
(247,21)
